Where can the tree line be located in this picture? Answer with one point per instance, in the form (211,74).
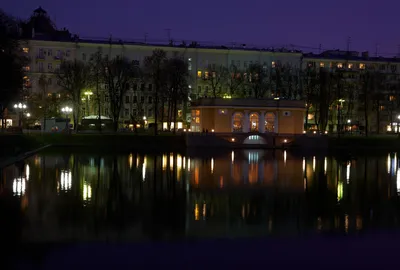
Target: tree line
(168,75)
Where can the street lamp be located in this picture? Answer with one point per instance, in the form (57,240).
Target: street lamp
(88,94)
(349,123)
(67,110)
(20,107)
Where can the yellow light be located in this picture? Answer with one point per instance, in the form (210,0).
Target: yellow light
(184,130)
(285,141)
(130,161)
(212,130)
(326,132)
(212,165)
(233,139)
(196,212)
(315,132)
(304,131)
(189,130)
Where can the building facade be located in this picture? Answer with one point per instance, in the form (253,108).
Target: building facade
(248,115)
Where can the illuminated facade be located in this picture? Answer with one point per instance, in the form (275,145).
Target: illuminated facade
(247,115)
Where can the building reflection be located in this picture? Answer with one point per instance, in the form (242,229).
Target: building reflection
(260,192)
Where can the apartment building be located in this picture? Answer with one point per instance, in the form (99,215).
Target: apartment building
(353,65)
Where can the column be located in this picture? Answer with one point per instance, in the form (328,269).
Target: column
(261,122)
(246,125)
(276,123)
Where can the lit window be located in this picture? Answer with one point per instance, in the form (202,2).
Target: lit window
(322,64)
(25,50)
(199,73)
(392,98)
(350,66)
(362,66)
(222,111)
(273,64)
(27,68)
(206,74)
(339,65)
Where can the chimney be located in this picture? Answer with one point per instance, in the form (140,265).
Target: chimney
(33,32)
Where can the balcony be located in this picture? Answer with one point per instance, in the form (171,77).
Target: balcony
(58,58)
(40,57)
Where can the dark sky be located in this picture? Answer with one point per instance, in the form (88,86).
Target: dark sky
(270,23)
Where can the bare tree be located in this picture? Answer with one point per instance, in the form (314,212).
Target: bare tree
(96,77)
(154,71)
(117,73)
(215,77)
(310,82)
(234,81)
(177,79)
(73,77)
(258,80)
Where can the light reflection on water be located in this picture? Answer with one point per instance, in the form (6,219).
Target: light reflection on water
(239,193)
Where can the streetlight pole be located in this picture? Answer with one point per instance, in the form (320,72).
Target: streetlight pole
(20,107)
(67,110)
(349,123)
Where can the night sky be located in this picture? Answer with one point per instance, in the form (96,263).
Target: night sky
(268,23)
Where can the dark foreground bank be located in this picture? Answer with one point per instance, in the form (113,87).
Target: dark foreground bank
(376,251)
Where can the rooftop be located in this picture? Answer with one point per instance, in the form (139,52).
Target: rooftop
(247,103)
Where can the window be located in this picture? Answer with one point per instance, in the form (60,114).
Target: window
(150,87)
(190,64)
(134,87)
(84,56)
(126,99)
(322,64)
(106,99)
(311,64)
(339,65)
(237,63)
(206,90)
(245,64)
(199,89)
(382,67)
(196,116)
(126,112)
(206,74)
(127,86)
(237,122)
(393,68)
(58,55)
(269,122)
(134,112)
(350,66)
(25,50)
(273,64)
(362,66)
(142,86)
(57,67)
(27,68)
(254,121)
(49,82)
(106,111)
(199,74)
(50,66)
(49,52)
(232,62)
(142,99)
(392,98)
(41,67)
(134,99)
(68,53)
(150,100)
(150,113)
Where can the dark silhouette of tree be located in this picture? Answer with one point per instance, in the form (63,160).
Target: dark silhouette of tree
(74,77)
(310,82)
(12,61)
(154,71)
(257,80)
(118,73)
(177,81)
(215,78)
(234,81)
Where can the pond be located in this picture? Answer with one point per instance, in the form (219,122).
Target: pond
(76,196)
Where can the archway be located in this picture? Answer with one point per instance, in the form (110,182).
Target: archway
(254,121)
(269,122)
(254,139)
(237,122)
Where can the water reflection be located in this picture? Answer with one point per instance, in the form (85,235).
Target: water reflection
(239,193)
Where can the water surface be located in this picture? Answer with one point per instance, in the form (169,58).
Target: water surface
(71,196)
